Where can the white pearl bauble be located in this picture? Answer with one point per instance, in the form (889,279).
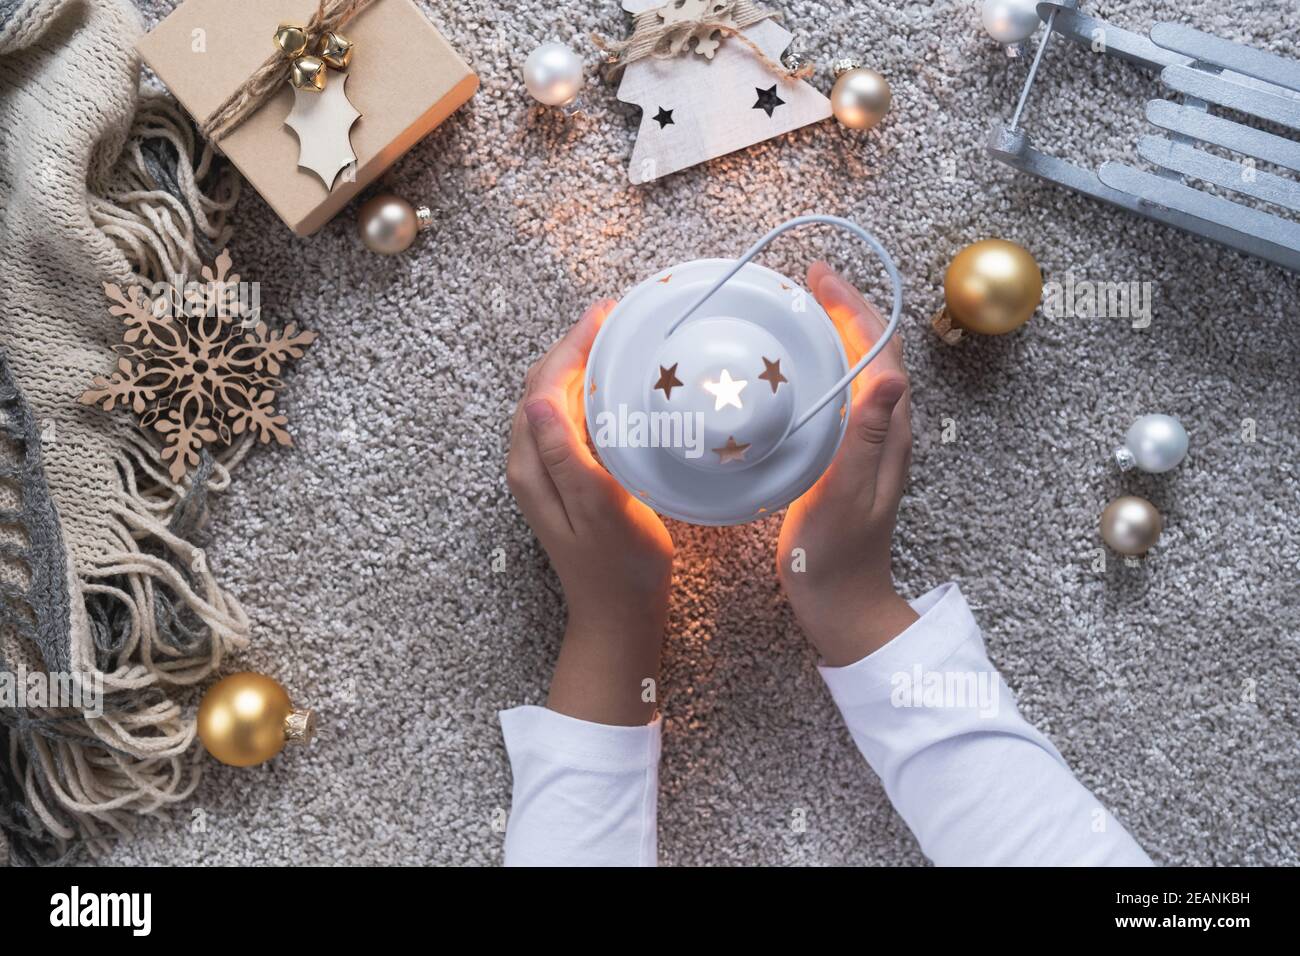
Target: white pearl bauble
(1131,525)
(1155,444)
(387,224)
(861,98)
(553,74)
(1011,21)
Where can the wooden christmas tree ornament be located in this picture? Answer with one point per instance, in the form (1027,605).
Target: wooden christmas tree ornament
(708,77)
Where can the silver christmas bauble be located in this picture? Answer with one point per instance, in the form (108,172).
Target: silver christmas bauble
(860,98)
(1131,525)
(794,60)
(553,74)
(1010,21)
(1155,444)
(388,224)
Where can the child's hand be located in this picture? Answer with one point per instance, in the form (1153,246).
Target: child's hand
(844,595)
(612,553)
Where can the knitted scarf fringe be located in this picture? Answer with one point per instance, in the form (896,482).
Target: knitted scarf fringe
(155,620)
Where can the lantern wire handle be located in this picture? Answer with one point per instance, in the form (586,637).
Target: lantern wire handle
(890,269)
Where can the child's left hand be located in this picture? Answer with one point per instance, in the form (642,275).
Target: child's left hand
(843,593)
(613,555)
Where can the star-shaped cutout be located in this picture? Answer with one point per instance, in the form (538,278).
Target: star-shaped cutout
(664,118)
(731,451)
(768,101)
(668,380)
(725,391)
(772,373)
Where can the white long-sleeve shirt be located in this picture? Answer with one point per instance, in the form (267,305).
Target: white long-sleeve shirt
(974,781)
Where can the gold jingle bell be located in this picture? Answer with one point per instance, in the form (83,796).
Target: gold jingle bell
(291,39)
(991,288)
(246,719)
(335,49)
(308,73)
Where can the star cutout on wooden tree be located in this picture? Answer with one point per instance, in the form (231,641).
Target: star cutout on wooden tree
(664,118)
(768,101)
(731,451)
(772,373)
(668,380)
(198,365)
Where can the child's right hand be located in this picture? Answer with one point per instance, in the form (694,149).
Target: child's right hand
(842,588)
(613,555)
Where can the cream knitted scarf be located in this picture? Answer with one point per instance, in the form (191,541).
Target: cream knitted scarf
(99,577)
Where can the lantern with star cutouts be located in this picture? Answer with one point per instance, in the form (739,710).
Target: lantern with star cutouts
(718,391)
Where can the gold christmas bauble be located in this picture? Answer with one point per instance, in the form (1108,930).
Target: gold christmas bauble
(860,98)
(246,719)
(1131,525)
(992,287)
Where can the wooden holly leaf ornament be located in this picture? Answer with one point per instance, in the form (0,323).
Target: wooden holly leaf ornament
(697,107)
(198,365)
(323,121)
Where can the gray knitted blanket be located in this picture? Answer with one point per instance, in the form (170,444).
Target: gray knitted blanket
(107,609)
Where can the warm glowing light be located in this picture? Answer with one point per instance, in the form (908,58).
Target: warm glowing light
(725,391)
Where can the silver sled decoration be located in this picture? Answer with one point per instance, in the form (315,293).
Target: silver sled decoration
(1200,70)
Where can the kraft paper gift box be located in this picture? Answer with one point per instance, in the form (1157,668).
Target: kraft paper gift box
(404,80)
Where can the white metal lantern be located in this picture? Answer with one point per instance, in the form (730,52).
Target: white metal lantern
(718,391)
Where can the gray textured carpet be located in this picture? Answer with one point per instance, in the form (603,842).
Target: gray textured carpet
(364,554)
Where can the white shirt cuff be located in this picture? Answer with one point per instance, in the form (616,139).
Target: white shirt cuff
(944,623)
(585,794)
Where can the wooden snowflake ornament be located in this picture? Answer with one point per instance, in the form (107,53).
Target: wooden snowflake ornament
(198,365)
(690,13)
(714,99)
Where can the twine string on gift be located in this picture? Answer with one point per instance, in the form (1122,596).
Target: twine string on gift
(330,15)
(666,32)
